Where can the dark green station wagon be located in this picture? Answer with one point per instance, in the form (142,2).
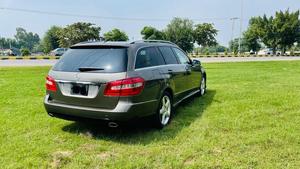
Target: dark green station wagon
(119,81)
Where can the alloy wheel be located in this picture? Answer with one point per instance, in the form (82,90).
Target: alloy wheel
(203,86)
(165,110)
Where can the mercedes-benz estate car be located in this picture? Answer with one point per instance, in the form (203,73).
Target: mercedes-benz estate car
(119,81)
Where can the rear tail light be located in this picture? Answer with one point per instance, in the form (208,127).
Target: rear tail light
(50,84)
(125,87)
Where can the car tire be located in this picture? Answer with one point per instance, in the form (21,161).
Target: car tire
(202,87)
(164,111)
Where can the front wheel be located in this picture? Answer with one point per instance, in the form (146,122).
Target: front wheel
(164,111)
(203,86)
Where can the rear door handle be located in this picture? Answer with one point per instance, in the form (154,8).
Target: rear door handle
(188,70)
(170,71)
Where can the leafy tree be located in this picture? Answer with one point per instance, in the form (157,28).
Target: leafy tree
(26,39)
(115,35)
(205,34)
(7,43)
(38,48)
(151,33)
(267,31)
(281,31)
(297,47)
(180,32)
(51,39)
(78,32)
(213,49)
(25,52)
(288,28)
(234,45)
(251,39)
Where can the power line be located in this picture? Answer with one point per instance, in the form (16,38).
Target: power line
(76,15)
(104,17)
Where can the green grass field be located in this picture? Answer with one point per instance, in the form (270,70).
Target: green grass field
(250,118)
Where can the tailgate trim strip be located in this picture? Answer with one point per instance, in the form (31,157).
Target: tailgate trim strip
(78,82)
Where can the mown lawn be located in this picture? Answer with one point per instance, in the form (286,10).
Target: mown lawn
(250,118)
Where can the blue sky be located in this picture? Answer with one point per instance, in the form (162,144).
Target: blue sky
(200,10)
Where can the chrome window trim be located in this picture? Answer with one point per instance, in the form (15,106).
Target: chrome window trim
(151,67)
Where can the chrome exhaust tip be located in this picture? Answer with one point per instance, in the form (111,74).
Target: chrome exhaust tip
(112,125)
(50,114)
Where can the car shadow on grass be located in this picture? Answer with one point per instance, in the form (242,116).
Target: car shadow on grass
(141,131)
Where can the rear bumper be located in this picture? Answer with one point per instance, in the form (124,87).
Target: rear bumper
(124,111)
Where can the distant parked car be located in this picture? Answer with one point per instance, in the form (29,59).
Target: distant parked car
(252,52)
(265,52)
(58,52)
(280,53)
(10,52)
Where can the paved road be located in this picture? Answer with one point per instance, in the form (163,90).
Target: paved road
(5,63)
(246,59)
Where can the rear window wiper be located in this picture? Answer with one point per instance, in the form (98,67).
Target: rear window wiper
(86,69)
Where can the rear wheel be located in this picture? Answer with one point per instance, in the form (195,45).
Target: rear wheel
(164,111)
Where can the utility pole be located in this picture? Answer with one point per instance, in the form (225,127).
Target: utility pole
(1,47)
(241,25)
(232,29)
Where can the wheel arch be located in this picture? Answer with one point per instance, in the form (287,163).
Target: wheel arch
(167,89)
(204,73)
(170,91)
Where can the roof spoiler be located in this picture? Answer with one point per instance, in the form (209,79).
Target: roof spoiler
(153,41)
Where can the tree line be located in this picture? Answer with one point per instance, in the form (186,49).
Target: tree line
(180,31)
(279,32)
(184,33)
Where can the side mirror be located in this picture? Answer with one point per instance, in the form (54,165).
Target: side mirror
(196,62)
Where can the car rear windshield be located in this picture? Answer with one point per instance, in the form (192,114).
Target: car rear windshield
(104,59)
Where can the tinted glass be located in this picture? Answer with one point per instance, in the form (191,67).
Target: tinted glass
(147,57)
(168,55)
(110,59)
(183,59)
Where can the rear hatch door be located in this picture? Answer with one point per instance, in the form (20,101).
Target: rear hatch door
(82,73)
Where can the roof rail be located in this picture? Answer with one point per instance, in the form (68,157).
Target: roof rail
(153,41)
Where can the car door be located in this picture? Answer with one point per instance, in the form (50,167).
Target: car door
(148,63)
(175,70)
(192,74)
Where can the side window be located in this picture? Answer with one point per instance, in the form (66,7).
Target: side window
(147,57)
(181,56)
(168,55)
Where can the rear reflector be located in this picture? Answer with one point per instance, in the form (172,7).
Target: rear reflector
(50,84)
(125,87)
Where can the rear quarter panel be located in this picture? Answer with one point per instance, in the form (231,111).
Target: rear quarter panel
(155,82)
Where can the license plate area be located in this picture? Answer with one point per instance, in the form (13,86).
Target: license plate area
(79,89)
